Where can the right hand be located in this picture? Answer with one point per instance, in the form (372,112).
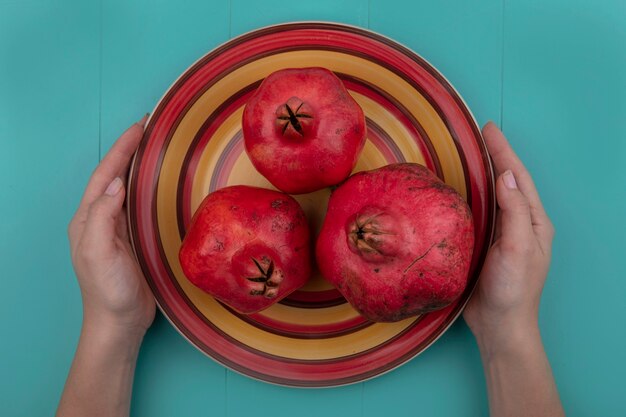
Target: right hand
(505,303)
(116,297)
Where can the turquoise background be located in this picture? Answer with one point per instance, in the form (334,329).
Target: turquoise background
(74,74)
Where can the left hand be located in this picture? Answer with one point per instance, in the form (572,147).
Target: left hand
(115,293)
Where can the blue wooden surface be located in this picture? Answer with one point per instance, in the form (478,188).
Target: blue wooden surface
(74,74)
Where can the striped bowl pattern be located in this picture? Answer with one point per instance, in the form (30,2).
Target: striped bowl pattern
(193,145)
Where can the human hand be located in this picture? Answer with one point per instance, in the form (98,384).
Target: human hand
(116,297)
(504,306)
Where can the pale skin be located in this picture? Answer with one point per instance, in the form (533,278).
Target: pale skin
(118,306)
(503,311)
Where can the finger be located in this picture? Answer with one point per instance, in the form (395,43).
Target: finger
(504,158)
(515,224)
(102,217)
(115,163)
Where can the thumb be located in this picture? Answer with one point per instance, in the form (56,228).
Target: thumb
(516,226)
(102,215)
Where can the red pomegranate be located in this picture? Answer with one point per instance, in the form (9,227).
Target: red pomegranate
(396,242)
(302,129)
(248,247)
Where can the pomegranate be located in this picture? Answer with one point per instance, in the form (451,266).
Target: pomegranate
(302,129)
(248,247)
(396,242)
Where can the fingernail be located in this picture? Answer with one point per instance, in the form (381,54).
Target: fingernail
(509,180)
(114,187)
(490,123)
(143,120)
